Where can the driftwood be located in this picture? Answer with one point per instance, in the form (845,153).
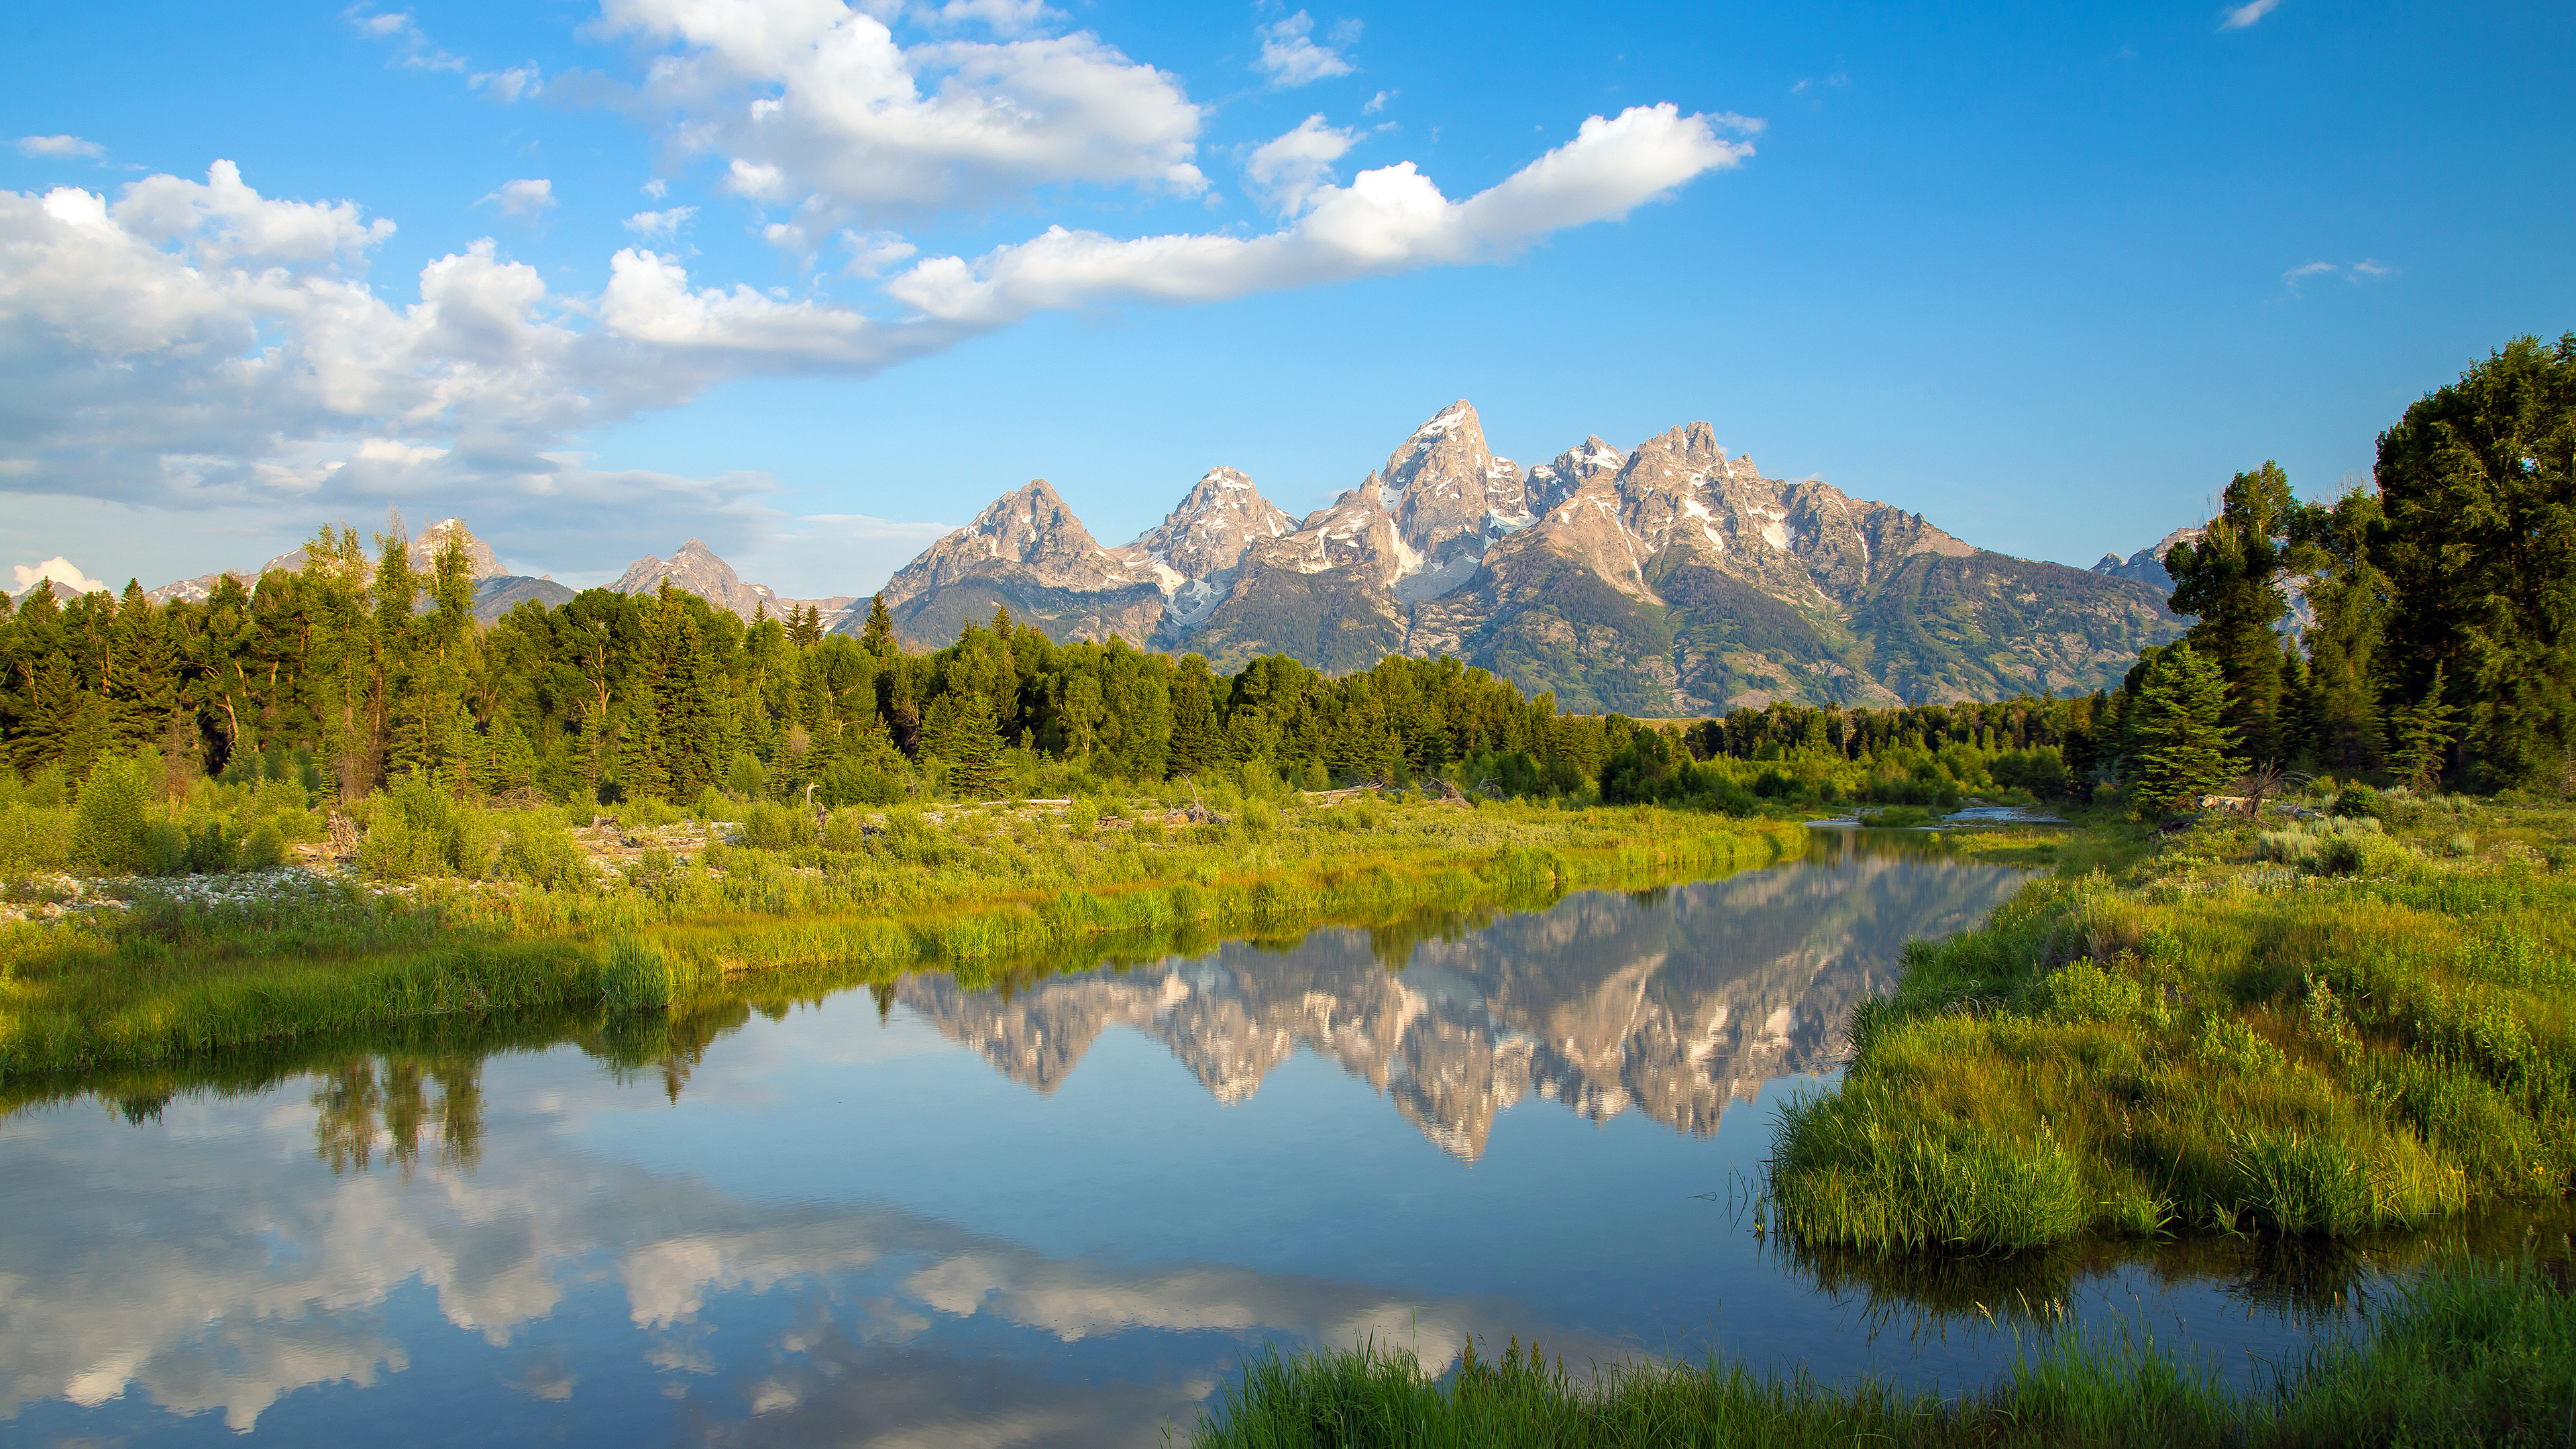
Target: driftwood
(339,837)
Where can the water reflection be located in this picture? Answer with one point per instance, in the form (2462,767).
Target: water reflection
(938,1215)
(1675,1001)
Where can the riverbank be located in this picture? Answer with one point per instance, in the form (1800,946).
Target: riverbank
(2308,1023)
(2461,1355)
(687,915)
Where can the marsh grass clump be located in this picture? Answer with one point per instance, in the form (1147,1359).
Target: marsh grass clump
(2460,1354)
(2202,1042)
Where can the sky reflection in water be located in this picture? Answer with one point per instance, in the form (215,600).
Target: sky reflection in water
(1057,1214)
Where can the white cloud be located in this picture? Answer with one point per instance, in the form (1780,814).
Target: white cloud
(59,148)
(819,101)
(1387,220)
(1290,57)
(871,254)
(508,86)
(657,188)
(2246,14)
(2368,269)
(412,47)
(1286,170)
(1377,103)
(199,346)
(661,224)
(59,569)
(525,200)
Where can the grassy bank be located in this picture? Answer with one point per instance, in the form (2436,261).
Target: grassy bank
(2312,1023)
(691,910)
(2462,1355)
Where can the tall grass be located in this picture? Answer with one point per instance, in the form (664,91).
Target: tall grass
(2204,1040)
(2462,1355)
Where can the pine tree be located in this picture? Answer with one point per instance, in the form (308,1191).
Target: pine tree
(2350,597)
(877,637)
(2183,739)
(2231,580)
(1195,740)
(2423,733)
(974,769)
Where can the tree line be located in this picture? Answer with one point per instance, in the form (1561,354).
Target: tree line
(2442,598)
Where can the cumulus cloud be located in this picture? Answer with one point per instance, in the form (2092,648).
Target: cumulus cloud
(2244,15)
(819,104)
(1286,170)
(662,224)
(1290,56)
(59,569)
(198,345)
(59,148)
(526,200)
(1387,220)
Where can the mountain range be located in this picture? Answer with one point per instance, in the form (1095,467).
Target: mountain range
(1665,580)
(1670,579)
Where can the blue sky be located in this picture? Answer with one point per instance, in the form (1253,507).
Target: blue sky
(2046,275)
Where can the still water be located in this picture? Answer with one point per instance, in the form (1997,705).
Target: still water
(1057,1213)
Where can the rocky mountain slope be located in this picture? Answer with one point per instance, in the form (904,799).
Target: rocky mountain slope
(695,569)
(1667,580)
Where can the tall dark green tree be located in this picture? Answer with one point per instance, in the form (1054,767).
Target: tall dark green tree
(2183,743)
(2349,597)
(2477,483)
(2231,581)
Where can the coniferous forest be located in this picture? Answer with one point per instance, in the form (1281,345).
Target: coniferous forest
(2441,598)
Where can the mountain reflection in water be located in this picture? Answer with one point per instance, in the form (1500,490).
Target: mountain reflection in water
(1676,1001)
(949,1215)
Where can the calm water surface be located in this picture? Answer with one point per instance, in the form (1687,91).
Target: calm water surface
(1061,1213)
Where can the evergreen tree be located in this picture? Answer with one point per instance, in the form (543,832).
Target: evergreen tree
(2478,485)
(974,750)
(2422,734)
(2183,738)
(2350,598)
(109,821)
(877,637)
(1196,742)
(2231,581)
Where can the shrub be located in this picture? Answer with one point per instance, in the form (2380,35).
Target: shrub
(265,847)
(108,825)
(2362,802)
(770,826)
(32,838)
(420,830)
(165,849)
(539,852)
(856,782)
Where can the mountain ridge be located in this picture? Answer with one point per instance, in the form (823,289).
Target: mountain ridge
(1663,580)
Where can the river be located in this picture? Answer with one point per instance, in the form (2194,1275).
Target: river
(1057,1212)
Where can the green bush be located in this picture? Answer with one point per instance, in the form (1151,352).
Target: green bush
(771,826)
(165,849)
(421,830)
(33,838)
(2361,801)
(857,782)
(265,847)
(108,826)
(540,852)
